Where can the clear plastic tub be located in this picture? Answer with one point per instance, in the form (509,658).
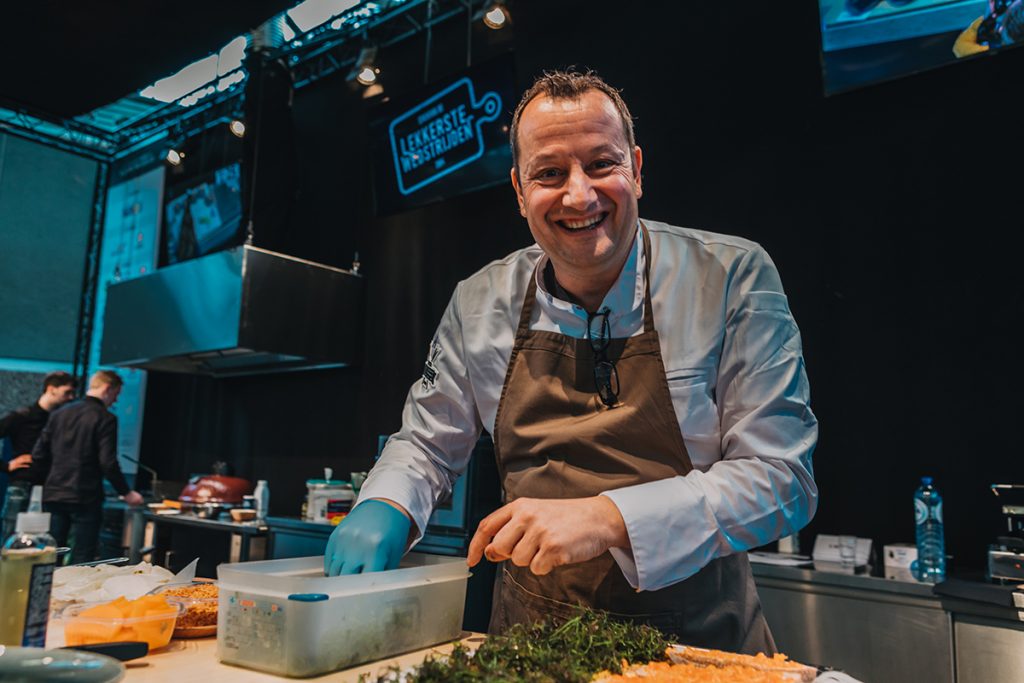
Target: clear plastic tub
(87,629)
(286,617)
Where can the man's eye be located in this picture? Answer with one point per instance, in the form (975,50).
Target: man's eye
(601,164)
(548,174)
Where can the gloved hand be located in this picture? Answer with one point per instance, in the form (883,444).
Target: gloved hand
(371,538)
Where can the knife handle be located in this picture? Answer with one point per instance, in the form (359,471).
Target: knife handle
(123,651)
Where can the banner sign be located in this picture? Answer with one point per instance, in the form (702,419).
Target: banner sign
(446,140)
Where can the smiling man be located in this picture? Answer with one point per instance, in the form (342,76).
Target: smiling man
(643,384)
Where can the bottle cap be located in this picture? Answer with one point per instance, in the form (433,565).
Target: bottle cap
(927,481)
(261,481)
(33,523)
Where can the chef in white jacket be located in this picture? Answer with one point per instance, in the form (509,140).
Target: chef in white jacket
(644,386)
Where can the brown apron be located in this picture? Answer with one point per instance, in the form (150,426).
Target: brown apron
(554,438)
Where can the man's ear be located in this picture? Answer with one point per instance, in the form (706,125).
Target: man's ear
(638,162)
(519,192)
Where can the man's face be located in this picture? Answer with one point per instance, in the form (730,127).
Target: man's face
(60,395)
(110,394)
(578,183)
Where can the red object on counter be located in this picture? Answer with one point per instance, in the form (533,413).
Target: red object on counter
(215,488)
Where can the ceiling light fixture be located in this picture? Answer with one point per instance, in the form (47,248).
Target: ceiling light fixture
(237,128)
(174,157)
(496,15)
(365,71)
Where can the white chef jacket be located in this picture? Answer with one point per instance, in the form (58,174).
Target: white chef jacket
(735,371)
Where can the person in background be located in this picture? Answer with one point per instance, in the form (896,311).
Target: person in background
(23,426)
(645,388)
(76,451)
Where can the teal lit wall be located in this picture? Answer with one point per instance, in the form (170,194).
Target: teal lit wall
(46,198)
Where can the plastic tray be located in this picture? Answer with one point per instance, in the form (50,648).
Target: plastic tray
(203,620)
(287,618)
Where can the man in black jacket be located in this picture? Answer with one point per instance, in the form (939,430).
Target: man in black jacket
(24,426)
(77,450)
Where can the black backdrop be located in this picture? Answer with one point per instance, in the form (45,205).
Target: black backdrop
(888,211)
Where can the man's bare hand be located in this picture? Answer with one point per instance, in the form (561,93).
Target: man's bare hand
(133,498)
(20,462)
(543,534)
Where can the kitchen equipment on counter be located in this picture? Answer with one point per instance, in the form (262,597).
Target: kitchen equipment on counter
(31,664)
(1006,555)
(285,617)
(328,498)
(218,487)
(242,514)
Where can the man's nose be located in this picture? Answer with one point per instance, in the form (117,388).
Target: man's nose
(579,191)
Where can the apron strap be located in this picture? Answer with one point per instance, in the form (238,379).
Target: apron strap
(648,307)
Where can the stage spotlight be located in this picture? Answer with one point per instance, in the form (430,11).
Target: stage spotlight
(364,71)
(237,128)
(496,16)
(174,157)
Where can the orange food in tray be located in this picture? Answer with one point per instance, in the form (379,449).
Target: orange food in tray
(149,619)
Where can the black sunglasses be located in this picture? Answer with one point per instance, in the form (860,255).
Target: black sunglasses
(606,377)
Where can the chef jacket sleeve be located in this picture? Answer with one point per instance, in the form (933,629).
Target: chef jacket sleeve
(763,487)
(440,425)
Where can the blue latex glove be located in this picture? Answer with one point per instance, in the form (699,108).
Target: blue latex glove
(371,538)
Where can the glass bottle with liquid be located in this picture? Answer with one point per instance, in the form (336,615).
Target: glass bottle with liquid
(27,560)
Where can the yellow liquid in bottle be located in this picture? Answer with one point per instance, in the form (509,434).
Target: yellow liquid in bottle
(15,579)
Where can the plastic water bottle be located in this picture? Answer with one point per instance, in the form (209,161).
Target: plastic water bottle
(27,561)
(262,494)
(930,565)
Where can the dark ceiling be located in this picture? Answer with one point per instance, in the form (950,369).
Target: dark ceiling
(66,58)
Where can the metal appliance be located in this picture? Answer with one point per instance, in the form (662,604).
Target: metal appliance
(1006,555)
(240,311)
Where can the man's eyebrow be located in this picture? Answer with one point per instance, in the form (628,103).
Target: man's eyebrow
(550,157)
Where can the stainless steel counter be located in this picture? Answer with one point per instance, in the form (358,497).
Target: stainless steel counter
(886,631)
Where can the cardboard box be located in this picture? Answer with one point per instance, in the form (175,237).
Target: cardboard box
(897,559)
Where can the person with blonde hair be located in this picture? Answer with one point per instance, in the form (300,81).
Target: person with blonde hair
(76,451)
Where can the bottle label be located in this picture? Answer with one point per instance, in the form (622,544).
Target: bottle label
(921,512)
(38,608)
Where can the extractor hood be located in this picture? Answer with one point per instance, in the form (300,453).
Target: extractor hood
(241,311)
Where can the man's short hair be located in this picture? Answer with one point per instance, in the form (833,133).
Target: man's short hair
(105,377)
(569,85)
(59,379)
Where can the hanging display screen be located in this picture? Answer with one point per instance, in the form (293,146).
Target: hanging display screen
(444,140)
(867,41)
(203,215)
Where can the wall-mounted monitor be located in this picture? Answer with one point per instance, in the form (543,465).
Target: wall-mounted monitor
(203,215)
(868,41)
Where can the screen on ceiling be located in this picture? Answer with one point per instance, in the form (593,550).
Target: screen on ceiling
(203,215)
(868,41)
(444,140)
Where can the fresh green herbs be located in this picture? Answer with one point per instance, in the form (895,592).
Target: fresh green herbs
(569,652)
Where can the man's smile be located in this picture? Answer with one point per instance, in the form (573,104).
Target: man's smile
(580,224)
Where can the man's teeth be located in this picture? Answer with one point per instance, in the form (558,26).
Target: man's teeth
(583,223)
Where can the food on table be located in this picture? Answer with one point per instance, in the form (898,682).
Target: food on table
(200,600)
(149,619)
(780,663)
(667,672)
(593,647)
(72,585)
(571,652)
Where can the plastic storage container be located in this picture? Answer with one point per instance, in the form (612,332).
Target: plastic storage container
(286,617)
(155,629)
